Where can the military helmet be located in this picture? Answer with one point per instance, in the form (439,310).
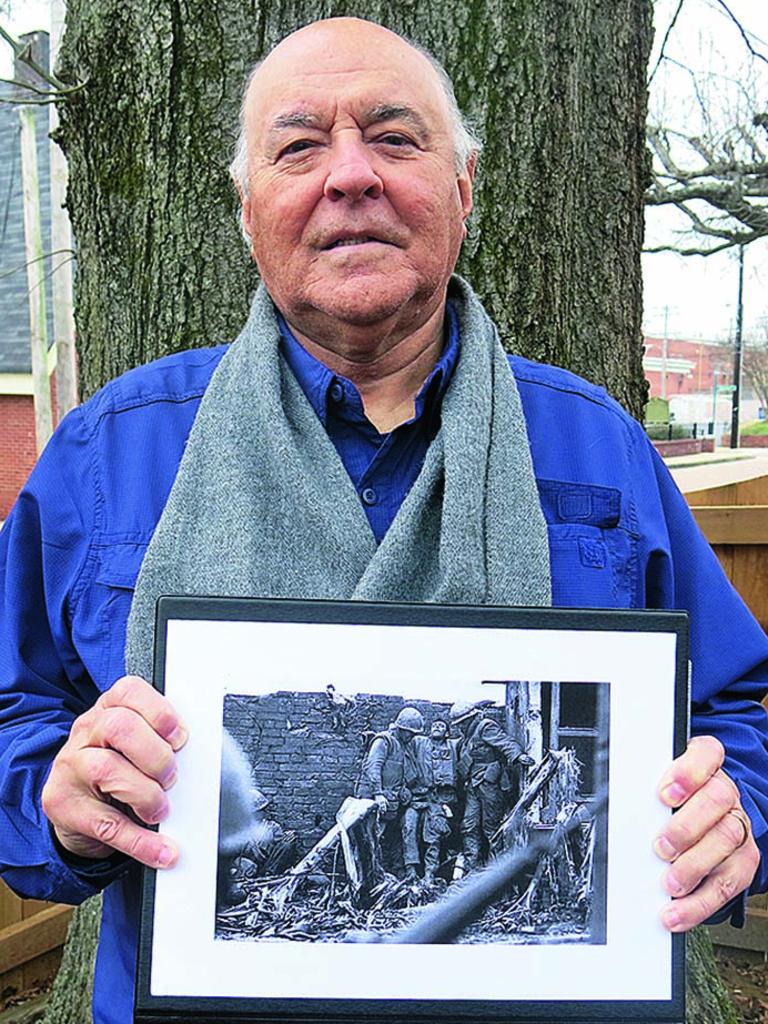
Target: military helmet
(410,719)
(462,710)
(259,800)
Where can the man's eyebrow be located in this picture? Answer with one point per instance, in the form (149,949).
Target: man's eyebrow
(393,112)
(293,119)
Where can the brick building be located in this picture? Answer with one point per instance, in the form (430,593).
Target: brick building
(678,367)
(17,419)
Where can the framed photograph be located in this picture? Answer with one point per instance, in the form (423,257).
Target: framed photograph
(415,813)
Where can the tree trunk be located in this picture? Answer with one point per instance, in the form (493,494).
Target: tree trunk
(706,995)
(70,1001)
(556,90)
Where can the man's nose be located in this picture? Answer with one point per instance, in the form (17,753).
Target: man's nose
(351,174)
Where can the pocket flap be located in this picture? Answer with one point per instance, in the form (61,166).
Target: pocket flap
(592,504)
(119,564)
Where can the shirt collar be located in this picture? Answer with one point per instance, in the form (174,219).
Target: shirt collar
(316,379)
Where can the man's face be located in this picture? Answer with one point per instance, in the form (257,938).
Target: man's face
(465,725)
(406,736)
(355,209)
(439,730)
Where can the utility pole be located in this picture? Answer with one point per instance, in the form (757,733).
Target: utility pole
(737,355)
(61,243)
(664,353)
(33,236)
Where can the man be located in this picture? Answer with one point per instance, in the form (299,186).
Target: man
(389,769)
(486,754)
(269,850)
(363,438)
(427,818)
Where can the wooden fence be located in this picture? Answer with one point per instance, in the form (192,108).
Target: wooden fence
(31,937)
(734,519)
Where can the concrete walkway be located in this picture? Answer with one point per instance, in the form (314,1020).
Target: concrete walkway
(715,469)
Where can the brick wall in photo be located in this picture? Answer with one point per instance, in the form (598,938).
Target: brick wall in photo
(305,756)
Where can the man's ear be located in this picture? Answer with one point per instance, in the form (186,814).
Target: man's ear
(464,183)
(245,212)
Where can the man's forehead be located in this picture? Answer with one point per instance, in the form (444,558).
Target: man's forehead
(343,59)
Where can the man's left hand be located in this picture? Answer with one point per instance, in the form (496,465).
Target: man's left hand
(708,843)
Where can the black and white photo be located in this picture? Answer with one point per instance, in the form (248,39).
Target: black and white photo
(346,814)
(415,811)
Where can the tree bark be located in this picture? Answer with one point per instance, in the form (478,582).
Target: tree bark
(70,1001)
(556,90)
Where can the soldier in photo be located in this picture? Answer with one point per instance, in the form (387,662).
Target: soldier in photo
(388,768)
(487,754)
(269,850)
(427,818)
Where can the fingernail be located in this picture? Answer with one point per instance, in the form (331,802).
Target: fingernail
(673,886)
(165,857)
(664,848)
(178,737)
(169,779)
(673,793)
(671,918)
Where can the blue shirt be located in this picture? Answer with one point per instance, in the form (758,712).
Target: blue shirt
(383,467)
(620,535)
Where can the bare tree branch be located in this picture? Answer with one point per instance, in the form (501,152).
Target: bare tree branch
(665,40)
(23,53)
(740,27)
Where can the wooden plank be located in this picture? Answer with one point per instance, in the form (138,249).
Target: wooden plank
(733,524)
(751,492)
(750,578)
(25,940)
(725,495)
(10,906)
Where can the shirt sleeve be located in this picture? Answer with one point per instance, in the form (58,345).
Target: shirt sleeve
(729,657)
(374,764)
(44,686)
(509,748)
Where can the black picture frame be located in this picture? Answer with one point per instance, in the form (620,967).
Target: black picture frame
(191,630)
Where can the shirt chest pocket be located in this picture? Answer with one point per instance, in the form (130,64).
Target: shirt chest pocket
(592,555)
(115,579)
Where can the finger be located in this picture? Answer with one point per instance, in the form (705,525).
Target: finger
(693,866)
(726,881)
(127,732)
(112,777)
(691,770)
(698,815)
(136,693)
(91,819)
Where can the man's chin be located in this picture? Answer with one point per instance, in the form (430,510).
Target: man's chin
(362,302)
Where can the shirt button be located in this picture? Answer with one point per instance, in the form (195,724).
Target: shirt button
(337,391)
(369,496)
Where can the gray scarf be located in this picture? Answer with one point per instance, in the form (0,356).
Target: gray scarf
(263,507)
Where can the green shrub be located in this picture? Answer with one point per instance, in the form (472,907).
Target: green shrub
(759,428)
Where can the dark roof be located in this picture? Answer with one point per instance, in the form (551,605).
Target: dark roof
(14,303)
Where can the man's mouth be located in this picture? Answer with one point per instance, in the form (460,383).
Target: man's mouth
(338,243)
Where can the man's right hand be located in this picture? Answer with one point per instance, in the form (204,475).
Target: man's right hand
(118,763)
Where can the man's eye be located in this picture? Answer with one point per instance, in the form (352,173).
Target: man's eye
(299,146)
(394,139)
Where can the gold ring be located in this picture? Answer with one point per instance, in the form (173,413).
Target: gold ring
(743,820)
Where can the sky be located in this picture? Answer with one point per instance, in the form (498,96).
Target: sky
(685,297)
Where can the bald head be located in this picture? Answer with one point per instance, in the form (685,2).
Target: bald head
(354,45)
